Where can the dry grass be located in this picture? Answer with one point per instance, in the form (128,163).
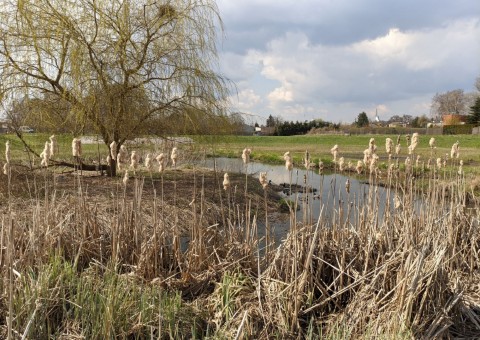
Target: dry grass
(176,256)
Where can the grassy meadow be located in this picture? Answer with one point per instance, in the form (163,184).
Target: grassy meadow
(179,254)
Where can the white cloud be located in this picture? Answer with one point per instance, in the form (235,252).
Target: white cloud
(396,70)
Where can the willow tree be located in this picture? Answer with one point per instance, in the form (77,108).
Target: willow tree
(119,64)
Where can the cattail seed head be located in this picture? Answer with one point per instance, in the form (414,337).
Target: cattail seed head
(45,155)
(398,147)
(431,143)
(125,178)
(134,160)
(6,167)
(367,155)
(454,152)
(161,162)
(122,157)
(372,146)
(53,145)
(226,182)
(334,152)
(7,152)
(246,155)
(148,162)
(263,180)
(341,164)
(359,167)
(347,186)
(76,147)
(389,146)
(113,150)
(174,156)
(439,163)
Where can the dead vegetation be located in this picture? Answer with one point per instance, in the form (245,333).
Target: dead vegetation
(177,256)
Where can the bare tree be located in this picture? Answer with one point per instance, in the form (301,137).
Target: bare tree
(119,64)
(450,102)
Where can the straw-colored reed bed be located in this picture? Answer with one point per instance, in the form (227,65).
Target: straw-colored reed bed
(143,258)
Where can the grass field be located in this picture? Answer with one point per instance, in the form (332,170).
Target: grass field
(270,149)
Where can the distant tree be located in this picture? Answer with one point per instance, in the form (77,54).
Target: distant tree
(362,120)
(256,124)
(270,121)
(474,116)
(420,121)
(450,102)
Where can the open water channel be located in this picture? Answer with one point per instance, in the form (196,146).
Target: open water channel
(314,194)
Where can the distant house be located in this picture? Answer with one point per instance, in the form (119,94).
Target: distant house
(397,124)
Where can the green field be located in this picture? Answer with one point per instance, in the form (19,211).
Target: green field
(271,148)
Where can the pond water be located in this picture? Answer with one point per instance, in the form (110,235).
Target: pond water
(318,193)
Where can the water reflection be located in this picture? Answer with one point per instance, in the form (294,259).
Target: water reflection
(316,191)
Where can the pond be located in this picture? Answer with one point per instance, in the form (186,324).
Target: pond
(317,193)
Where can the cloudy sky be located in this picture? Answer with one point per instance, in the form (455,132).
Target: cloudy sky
(332,59)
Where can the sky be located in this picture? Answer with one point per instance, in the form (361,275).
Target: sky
(332,59)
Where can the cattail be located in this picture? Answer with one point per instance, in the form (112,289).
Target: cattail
(460,168)
(341,164)
(246,155)
(391,168)
(334,152)
(307,160)
(45,155)
(288,161)
(389,146)
(125,178)
(161,162)
(174,156)
(431,143)
(148,162)
(122,157)
(7,152)
(439,163)
(408,164)
(367,156)
(134,160)
(359,167)
(347,186)
(6,166)
(321,166)
(454,153)
(226,182)
(349,165)
(414,144)
(113,150)
(372,146)
(263,180)
(429,163)
(398,147)
(77,147)
(53,145)
(417,161)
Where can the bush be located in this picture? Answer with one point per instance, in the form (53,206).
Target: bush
(465,129)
